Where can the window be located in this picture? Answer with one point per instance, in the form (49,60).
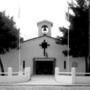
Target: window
(23,64)
(44,29)
(64,64)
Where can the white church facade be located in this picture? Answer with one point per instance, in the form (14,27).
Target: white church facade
(42,54)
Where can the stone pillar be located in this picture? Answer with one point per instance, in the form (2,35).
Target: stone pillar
(10,71)
(27,71)
(56,72)
(20,73)
(73,72)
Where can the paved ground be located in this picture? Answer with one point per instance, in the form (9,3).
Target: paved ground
(41,80)
(29,87)
(42,83)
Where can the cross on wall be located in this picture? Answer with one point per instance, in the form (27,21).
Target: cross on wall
(44,46)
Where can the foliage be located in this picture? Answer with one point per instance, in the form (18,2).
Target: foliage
(78,36)
(9,34)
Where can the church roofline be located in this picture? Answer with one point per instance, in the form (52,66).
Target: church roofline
(40,37)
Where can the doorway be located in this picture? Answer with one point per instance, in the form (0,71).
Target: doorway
(44,66)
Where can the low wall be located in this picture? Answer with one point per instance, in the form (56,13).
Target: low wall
(82,80)
(63,77)
(14,77)
(71,77)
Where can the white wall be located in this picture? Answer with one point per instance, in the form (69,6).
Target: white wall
(19,77)
(80,63)
(11,59)
(31,49)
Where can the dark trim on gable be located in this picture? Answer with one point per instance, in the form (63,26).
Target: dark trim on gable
(39,37)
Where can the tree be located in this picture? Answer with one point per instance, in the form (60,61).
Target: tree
(78,31)
(9,35)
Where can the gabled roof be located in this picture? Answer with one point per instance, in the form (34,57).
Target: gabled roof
(39,37)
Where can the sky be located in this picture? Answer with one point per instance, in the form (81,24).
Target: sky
(27,13)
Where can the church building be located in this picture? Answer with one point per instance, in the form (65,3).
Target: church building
(42,54)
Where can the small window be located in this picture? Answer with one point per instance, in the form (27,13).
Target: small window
(44,29)
(64,64)
(23,64)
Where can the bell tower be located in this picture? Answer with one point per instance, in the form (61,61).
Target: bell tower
(44,28)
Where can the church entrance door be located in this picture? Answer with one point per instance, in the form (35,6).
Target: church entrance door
(44,66)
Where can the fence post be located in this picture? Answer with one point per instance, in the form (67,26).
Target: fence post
(56,71)
(73,71)
(27,71)
(20,73)
(10,71)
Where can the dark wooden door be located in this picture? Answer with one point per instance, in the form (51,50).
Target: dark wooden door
(44,67)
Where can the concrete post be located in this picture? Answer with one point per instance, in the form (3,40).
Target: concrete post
(20,73)
(56,72)
(10,71)
(73,71)
(27,71)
